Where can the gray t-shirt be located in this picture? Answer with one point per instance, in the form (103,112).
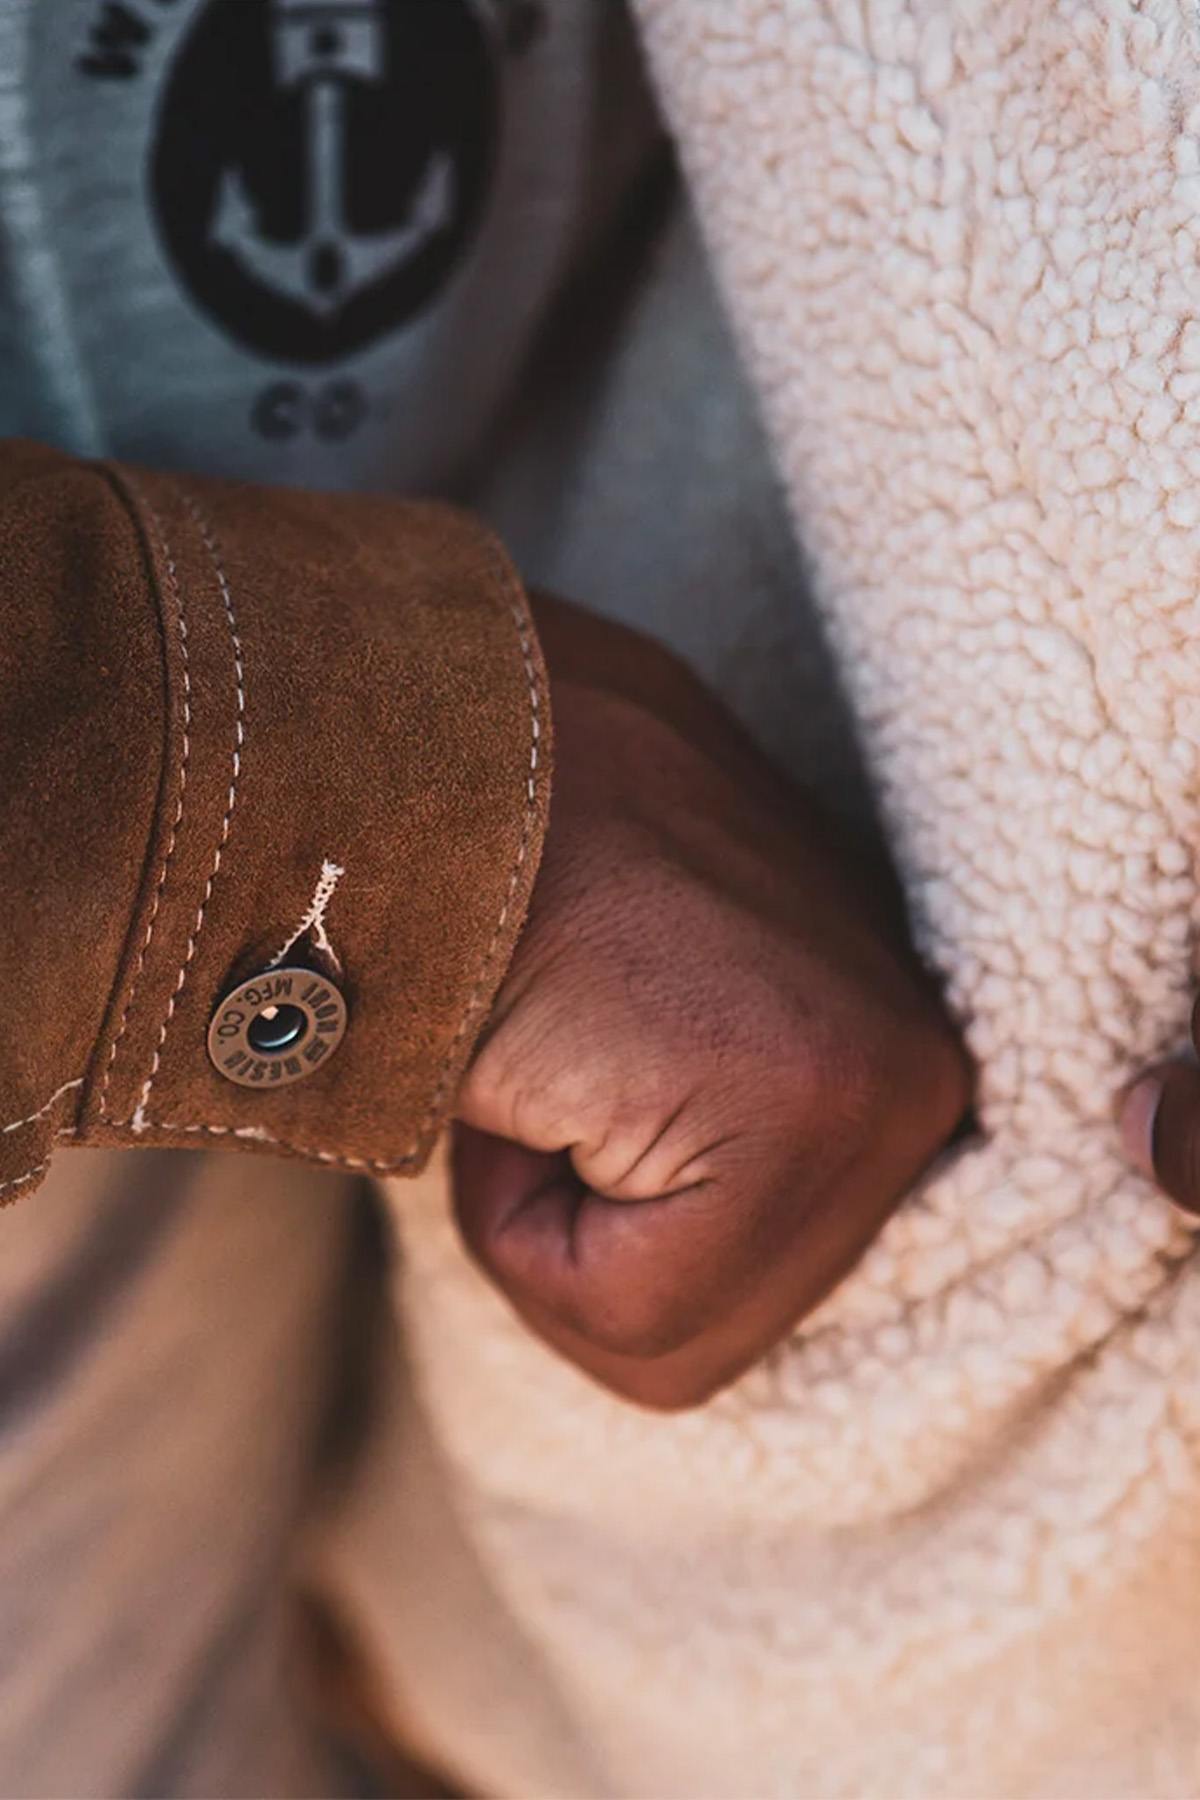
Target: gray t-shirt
(299,242)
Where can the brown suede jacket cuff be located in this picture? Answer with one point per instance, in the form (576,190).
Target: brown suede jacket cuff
(246,732)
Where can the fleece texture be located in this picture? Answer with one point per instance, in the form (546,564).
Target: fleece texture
(946,1542)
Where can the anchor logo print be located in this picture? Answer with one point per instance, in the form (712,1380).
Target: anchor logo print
(320,165)
(320,49)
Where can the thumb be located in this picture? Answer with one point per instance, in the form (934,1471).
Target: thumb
(1160,1130)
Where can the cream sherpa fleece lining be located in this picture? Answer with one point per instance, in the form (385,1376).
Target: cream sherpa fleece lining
(948,1541)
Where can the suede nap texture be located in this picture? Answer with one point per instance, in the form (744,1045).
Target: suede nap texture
(212,694)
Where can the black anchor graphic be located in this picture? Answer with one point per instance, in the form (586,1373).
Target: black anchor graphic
(321,46)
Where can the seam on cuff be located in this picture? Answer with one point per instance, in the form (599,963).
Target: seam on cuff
(181,785)
(7,1187)
(518,609)
(209,540)
(258,1134)
(33,1117)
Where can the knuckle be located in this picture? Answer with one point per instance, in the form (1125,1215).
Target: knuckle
(850,1078)
(869,1077)
(943,1071)
(895,1063)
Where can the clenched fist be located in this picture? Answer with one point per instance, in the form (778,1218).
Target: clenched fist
(714,1067)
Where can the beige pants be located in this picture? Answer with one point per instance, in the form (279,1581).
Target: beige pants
(170,1330)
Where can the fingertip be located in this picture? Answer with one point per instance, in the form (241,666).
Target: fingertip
(1136,1121)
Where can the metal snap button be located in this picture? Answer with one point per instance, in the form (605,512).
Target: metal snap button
(276,1028)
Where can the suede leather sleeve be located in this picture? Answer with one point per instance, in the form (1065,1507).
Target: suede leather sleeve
(209,694)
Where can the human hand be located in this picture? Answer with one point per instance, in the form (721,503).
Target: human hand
(714,1067)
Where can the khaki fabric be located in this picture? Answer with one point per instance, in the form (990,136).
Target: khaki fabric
(171,1328)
